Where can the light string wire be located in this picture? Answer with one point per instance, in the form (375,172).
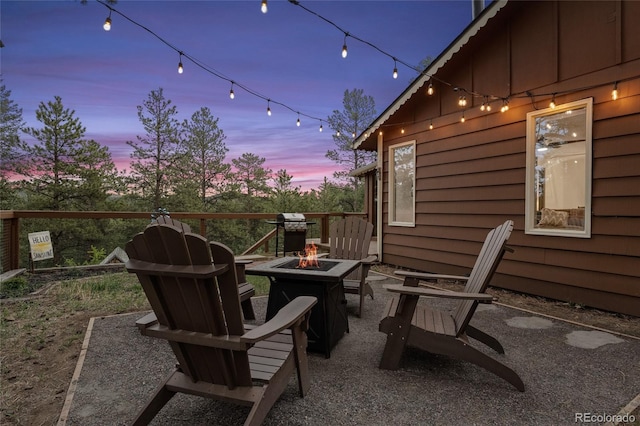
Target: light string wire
(487,99)
(522,95)
(210,69)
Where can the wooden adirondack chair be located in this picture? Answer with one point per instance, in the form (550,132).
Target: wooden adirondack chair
(246,290)
(349,238)
(408,323)
(196,308)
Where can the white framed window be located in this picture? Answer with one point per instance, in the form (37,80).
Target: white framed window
(402,184)
(558,183)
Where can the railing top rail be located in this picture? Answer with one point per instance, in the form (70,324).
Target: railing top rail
(50,214)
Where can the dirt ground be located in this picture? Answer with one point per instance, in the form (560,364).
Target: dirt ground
(36,368)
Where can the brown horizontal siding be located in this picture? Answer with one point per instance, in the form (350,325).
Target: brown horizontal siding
(478,165)
(600,298)
(506,207)
(616,206)
(620,284)
(473,180)
(593,262)
(621,166)
(502,192)
(617,187)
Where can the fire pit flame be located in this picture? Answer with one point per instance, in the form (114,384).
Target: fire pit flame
(309,257)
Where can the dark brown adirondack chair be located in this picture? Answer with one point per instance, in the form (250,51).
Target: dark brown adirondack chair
(349,238)
(408,323)
(196,308)
(246,290)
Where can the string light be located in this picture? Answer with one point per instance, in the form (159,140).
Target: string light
(180,68)
(552,104)
(344,46)
(269,107)
(462,120)
(430,89)
(320,129)
(431,125)
(298,122)
(505,105)
(395,68)
(462,101)
(107,23)
(231,94)
(614,92)
(263,6)
(402,130)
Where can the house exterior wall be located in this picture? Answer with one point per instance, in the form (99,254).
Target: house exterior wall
(470,176)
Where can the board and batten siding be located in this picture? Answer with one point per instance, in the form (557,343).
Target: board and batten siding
(470,177)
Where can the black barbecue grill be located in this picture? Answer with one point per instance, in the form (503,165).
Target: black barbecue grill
(295,231)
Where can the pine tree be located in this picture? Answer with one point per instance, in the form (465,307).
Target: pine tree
(11,147)
(204,153)
(358,112)
(155,155)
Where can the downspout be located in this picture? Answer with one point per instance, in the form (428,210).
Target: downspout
(379,190)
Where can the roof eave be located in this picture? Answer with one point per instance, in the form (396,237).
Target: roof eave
(488,13)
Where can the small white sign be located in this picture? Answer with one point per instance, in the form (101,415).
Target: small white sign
(40,243)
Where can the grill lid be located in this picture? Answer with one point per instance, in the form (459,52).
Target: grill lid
(293,221)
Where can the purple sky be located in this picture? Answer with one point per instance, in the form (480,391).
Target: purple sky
(58,48)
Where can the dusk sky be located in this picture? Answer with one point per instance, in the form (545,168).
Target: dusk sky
(59,48)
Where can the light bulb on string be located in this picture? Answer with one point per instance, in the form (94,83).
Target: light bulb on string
(320,129)
(430,89)
(232,95)
(395,69)
(344,46)
(431,125)
(269,108)
(107,22)
(505,106)
(462,120)
(552,104)
(263,6)
(180,68)
(614,92)
(337,133)
(298,121)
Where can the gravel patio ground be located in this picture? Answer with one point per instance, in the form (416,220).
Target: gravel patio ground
(568,370)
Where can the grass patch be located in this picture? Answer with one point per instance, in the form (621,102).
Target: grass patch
(260,283)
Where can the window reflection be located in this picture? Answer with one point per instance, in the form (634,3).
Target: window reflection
(560,168)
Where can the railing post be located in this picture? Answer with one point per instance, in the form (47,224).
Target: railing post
(203,227)
(10,244)
(324,232)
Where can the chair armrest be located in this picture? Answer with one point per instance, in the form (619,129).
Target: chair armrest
(428,276)
(189,271)
(286,317)
(369,260)
(427,292)
(243,261)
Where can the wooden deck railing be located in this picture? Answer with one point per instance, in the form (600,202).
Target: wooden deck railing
(10,240)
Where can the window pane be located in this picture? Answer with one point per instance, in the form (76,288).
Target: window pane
(560,149)
(402,179)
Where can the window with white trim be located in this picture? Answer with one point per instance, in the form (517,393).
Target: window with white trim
(559,156)
(402,177)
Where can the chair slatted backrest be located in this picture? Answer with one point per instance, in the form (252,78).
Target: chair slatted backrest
(193,303)
(495,244)
(167,220)
(350,238)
